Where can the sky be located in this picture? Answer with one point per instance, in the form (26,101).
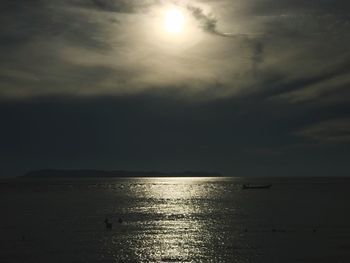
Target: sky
(246,88)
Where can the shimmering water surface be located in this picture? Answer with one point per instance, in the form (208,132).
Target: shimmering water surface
(175,220)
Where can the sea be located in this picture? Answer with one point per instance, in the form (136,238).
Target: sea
(175,220)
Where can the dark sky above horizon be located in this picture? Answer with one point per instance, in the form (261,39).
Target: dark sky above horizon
(254,87)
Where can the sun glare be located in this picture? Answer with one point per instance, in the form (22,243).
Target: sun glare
(174,21)
(173,29)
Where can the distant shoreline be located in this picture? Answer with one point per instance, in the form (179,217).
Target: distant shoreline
(89,173)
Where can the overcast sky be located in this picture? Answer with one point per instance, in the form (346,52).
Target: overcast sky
(253,87)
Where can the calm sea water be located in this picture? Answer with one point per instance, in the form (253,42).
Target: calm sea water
(175,220)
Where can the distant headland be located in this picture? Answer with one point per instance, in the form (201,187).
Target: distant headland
(115,173)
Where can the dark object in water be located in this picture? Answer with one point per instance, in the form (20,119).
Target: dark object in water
(108,224)
(120,220)
(248,186)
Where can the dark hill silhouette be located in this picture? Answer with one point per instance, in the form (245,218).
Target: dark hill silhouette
(116,173)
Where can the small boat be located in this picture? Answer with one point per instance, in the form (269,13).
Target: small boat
(249,186)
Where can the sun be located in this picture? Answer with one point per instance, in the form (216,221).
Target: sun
(172,28)
(174,21)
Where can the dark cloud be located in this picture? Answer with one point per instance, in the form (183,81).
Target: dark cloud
(296,88)
(87,82)
(330,132)
(21,21)
(120,6)
(236,136)
(25,21)
(208,22)
(271,7)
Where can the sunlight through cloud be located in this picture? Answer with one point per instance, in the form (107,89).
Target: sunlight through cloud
(174,21)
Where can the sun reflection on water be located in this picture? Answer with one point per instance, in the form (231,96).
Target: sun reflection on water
(165,221)
(178,229)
